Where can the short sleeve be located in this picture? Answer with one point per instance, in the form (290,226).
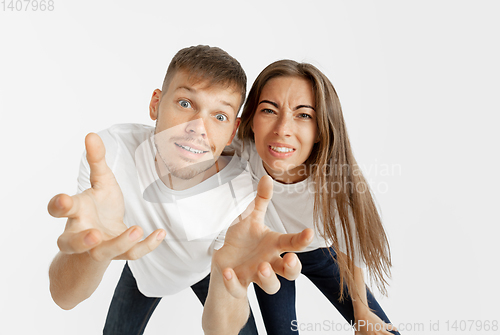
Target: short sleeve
(219,240)
(83,179)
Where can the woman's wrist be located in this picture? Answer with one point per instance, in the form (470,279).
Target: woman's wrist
(360,310)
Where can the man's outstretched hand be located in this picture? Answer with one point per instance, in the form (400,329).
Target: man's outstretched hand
(251,252)
(95,216)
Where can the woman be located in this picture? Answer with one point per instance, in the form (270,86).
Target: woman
(293,129)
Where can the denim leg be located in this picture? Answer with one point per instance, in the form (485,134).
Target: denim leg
(278,310)
(201,291)
(323,271)
(130,310)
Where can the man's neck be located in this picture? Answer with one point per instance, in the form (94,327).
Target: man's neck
(180,184)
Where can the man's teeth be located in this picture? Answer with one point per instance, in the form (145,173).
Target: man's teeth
(281,149)
(191,149)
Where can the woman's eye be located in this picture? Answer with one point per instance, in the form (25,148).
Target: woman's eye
(221,117)
(268,111)
(185,104)
(305,116)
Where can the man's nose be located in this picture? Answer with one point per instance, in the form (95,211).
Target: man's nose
(196,127)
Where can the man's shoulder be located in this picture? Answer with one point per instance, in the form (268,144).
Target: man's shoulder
(127,134)
(128,129)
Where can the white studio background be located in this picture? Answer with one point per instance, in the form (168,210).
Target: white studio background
(419,83)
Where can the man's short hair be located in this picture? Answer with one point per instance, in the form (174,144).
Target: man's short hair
(212,64)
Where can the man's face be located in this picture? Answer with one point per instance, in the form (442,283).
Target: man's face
(195,121)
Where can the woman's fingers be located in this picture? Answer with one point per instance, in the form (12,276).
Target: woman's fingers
(376,326)
(267,279)
(288,267)
(264,195)
(296,242)
(391,327)
(233,285)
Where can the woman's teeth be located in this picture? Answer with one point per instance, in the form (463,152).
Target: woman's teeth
(281,149)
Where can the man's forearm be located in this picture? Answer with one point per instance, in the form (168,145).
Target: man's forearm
(73,278)
(223,314)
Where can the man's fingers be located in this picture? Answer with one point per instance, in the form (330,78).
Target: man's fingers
(76,243)
(233,285)
(296,242)
(144,247)
(288,267)
(267,279)
(264,194)
(110,249)
(96,158)
(62,205)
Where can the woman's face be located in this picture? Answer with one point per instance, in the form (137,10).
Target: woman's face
(285,127)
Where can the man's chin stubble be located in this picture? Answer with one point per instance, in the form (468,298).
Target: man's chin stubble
(191,171)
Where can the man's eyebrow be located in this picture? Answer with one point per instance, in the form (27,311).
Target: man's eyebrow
(225,103)
(190,89)
(269,102)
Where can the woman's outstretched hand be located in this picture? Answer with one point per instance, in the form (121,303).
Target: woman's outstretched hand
(251,252)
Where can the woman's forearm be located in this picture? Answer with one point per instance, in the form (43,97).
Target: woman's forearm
(223,313)
(359,299)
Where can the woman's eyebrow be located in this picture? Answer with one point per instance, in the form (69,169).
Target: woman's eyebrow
(296,108)
(269,102)
(305,106)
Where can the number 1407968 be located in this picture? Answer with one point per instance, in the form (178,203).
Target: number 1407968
(27,5)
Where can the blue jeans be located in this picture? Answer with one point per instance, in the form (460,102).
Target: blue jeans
(130,310)
(278,310)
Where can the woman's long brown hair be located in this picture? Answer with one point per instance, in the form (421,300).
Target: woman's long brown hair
(339,184)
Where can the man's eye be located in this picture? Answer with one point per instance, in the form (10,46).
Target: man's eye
(221,117)
(185,104)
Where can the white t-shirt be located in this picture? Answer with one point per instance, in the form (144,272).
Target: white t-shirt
(195,219)
(291,209)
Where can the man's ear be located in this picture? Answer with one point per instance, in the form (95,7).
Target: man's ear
(154,105)
(236,125)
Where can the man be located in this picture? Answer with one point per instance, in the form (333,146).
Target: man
(158,178)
